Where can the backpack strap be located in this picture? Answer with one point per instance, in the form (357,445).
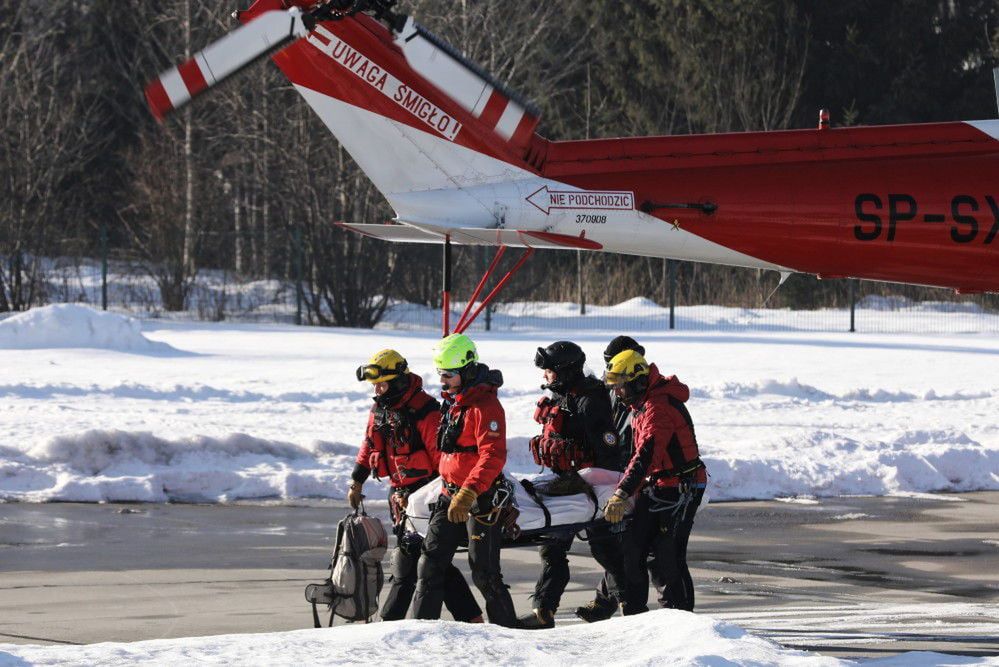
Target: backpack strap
(415,416)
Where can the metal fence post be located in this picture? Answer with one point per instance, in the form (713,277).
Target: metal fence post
(489,309)
(672,294)
(579,282)
(104,265)
(853,305)
(296,236)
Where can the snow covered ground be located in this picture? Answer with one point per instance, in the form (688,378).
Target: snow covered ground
(680,638)
(92,410)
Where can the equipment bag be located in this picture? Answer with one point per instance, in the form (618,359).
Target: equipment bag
(356,576)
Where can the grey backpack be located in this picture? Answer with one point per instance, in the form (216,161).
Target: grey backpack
(357,577)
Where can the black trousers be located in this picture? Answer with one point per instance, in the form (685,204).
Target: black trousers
(606,550)
(458,596)
(442,541)
(610,590)
(664,535)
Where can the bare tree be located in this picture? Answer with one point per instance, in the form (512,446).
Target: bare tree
(47,125)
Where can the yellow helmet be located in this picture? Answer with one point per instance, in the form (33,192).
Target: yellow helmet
(383,366)
(624,367)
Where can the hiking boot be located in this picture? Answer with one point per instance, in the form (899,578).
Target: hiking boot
(539,619)
(596,611)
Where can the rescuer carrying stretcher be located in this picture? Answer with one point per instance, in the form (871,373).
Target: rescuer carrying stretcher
(400,444)
(665,476)
(472,444)
(577,433)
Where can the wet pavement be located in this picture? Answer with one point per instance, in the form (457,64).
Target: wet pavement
(855,577)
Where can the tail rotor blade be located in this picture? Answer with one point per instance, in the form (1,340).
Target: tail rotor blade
(269,32)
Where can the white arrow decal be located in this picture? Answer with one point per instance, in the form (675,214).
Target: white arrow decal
(545,200)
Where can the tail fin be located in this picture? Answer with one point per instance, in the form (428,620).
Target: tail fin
(269,32)
(412,112)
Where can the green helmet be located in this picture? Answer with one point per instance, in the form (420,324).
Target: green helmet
(454,351)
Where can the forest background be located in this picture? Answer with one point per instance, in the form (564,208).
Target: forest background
(248,181)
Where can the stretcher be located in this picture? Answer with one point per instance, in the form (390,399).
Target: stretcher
(539,514)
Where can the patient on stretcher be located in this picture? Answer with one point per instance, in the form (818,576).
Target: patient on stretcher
(543,501)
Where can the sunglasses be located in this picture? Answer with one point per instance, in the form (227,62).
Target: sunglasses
(374,372)
(447,374)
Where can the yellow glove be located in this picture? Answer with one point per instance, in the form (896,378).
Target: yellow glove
(616,506)
(354,495)
(461,504)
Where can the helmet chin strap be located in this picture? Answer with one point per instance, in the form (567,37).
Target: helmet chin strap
(397,388)
(634,390)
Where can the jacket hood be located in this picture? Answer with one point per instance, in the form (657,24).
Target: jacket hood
(485,382)
(660,385)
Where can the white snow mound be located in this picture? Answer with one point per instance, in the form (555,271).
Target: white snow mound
(664,637)
(680,638)
(68,325)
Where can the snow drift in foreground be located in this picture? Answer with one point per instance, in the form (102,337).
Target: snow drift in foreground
(69,325)
(678,638)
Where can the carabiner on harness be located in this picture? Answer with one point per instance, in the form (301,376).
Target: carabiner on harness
(502,497)
(677,510)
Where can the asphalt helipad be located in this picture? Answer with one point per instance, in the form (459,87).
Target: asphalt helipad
(857,577)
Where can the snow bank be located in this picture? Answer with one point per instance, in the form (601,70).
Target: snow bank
(118,466)
(656,638)
(826,464)
(70,325)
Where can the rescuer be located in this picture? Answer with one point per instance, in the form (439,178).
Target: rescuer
(400,444)
(472,442)
(577,433)
(666,479)
(606,600)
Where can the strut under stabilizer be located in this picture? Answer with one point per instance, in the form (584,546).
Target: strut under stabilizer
(468,315)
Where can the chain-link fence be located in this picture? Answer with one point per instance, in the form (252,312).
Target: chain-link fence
(127,285)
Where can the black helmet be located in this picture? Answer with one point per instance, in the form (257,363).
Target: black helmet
(566,359)
(620,344)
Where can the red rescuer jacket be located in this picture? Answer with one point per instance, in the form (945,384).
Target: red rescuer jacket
(472,436)
(401,440)
(663,433)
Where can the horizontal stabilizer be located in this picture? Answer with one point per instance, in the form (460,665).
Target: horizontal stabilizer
(410,233)
(499,109)
(269,32)
(395,233)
